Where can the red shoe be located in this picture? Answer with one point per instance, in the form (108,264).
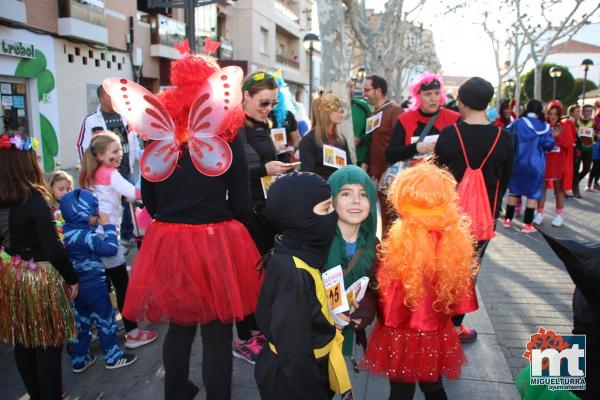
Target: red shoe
(142,338)
(528,228)
(467,335)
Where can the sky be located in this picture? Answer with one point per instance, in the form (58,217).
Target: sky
(462,47)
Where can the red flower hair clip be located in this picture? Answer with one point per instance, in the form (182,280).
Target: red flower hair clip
(5,143)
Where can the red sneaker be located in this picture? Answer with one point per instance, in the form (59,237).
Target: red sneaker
(140,339)
(467,335)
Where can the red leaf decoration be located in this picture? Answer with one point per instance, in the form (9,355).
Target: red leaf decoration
(183,47)
(210,46)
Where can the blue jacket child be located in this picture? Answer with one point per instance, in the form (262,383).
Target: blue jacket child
(79,209)
(533,138)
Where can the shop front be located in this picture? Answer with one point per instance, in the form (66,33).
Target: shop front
(28,101)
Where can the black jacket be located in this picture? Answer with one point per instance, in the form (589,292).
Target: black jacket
(478,140)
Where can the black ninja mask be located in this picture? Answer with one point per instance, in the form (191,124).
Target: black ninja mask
(290,206)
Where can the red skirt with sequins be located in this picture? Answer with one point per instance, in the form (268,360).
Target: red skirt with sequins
(410,355)
(194,274)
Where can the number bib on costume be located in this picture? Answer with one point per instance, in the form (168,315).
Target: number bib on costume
(334,157)
(374,122)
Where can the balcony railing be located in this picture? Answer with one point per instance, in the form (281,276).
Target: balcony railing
(164,30)
(286,11)
(91,11)
(287,61)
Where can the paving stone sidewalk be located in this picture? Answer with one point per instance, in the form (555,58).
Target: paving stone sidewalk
(525,286)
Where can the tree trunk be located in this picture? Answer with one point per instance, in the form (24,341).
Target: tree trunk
(537,82)
(334,60)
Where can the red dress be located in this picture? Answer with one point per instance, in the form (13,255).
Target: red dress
(416,346)
(559,161)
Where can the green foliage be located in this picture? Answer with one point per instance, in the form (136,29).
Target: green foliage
(577,91)
(49,143)
(45,83)
(564,84)
(31,68)
(36,68)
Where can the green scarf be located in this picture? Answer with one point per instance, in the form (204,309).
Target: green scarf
(352,174)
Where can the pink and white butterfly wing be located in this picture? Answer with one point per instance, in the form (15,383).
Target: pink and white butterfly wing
(210,112)
(145,113)
(159,160)
(212,156)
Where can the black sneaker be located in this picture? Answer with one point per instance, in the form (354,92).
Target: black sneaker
(124,361)
(80,368)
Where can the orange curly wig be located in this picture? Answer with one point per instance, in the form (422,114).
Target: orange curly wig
(430,244)
(188,74)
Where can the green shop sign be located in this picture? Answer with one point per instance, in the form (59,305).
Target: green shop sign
(16,49)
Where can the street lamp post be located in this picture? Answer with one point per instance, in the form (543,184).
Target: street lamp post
(309,40)
(586,64)
(510,84)
(555,73)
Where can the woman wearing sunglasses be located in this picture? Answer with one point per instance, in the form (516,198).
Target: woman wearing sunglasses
(324,138)
(265,159)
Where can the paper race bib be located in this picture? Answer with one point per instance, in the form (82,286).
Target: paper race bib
(333,280)
(374,122)
(334,157)
(266,182)
(585,132)
(278,135)
(427,139)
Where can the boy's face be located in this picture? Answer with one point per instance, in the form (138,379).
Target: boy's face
(587,113)
(352,204)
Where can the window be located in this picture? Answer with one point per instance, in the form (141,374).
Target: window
(14,111)
(264,40)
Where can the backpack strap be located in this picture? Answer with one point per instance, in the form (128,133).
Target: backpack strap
(464,151)
(492,148)
(462,145)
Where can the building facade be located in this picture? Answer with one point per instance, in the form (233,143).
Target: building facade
(267,35)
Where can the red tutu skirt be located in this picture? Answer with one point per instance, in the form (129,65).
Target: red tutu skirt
(409,355)
(194,274)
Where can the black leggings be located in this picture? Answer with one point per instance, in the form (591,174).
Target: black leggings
(594,173)
(216,360)
(245,327)
(586,162)
(406,391)
(40,371)
(119,279)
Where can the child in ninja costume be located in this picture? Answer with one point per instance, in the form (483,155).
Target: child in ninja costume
(303,359)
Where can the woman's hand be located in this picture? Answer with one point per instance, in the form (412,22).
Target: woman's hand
(425,148)
(275,168)
(73,291)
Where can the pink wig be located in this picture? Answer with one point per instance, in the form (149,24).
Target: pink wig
(415,87)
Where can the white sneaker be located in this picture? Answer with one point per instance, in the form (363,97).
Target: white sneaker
(558,220)
(539,218)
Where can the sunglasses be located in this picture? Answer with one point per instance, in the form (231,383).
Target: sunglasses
(266,103)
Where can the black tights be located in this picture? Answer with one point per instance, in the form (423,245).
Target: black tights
(40,371)
(594,173)
(406,391)
(586,162)
(119,278)
(216,361)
